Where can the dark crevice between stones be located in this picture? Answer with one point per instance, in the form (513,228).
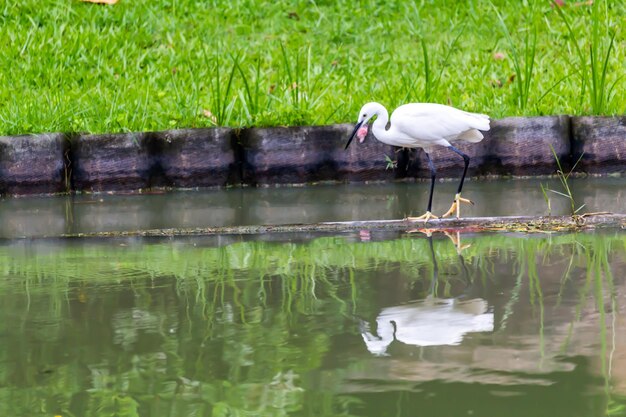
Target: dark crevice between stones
(568,164)
(490,165)
(68,166)
(235,176)
(242,163)
(68,160)
(407,159)
(154,146)
(3,174)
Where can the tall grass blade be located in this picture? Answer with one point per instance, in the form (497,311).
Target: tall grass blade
(427,78)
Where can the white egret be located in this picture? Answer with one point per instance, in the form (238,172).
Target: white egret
(424,125)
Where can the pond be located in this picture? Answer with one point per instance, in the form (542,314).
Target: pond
(354,324)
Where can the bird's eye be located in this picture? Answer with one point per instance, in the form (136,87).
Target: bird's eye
(364,115)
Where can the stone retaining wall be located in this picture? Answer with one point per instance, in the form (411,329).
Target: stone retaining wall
(218,157)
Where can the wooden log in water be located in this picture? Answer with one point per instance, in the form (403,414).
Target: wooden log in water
(524,224)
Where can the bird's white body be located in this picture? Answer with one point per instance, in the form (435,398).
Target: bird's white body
(424,125)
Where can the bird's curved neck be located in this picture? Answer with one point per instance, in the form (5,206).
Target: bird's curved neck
(379,127)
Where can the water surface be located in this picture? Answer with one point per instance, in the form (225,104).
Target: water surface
(356,324)
(343,202)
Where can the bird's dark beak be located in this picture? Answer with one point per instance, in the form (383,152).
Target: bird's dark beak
(358,125)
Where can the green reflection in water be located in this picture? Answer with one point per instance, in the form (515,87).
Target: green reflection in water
(184,328)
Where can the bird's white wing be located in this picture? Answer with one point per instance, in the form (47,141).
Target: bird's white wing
(435,124)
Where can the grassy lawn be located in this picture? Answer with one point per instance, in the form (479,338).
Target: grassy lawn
(152,65)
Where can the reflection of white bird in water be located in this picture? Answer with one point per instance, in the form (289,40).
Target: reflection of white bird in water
(430,322)
(424,125)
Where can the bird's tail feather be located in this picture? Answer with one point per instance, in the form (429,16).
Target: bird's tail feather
(484,124)
(479,121)
(471,135)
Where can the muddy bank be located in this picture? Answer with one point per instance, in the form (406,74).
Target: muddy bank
(511,224)
(222,157)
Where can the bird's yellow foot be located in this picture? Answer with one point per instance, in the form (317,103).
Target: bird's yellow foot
(425,217)
(426,231)
(456,206)
(456,240)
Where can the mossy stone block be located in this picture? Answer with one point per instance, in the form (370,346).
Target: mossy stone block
(197,157)
(33,164)
(112,162)
(601,141)
(297,155)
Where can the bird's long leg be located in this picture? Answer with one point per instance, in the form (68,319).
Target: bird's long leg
(460,247)
(433,281)
(433,175)
(456,204)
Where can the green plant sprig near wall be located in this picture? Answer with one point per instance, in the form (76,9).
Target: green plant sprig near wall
(564,180)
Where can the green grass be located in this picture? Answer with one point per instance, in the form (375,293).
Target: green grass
(151,65)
